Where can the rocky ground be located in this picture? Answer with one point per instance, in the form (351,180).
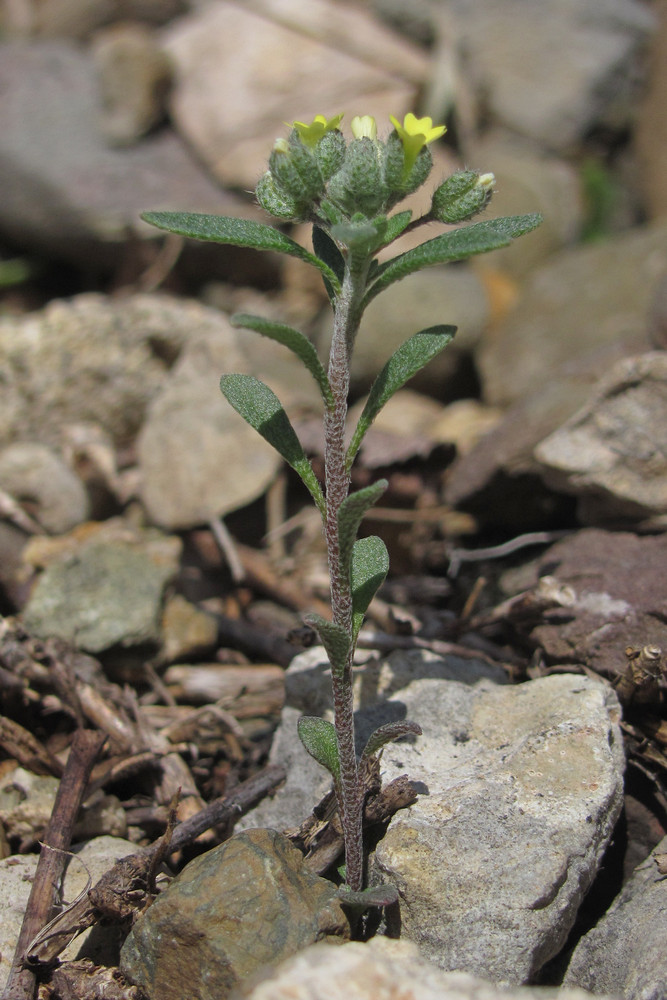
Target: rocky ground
(156,559)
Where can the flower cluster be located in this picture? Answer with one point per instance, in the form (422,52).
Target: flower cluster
(315,175)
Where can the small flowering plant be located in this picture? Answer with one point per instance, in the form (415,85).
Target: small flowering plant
(347,190)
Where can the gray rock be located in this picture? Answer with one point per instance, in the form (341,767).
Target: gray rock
(581,302)
(101,594)
(308,692)
(529,181)
(624,953)
(134,75)
(34,474)
(323,54)
(198,458)
(383,968)
(64,191)
(619,582)
(93,359)
(525,786)
(612,453)
(522,788)
(242,905)
(519,71)
(92,860)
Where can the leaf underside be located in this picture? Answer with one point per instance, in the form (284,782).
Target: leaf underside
(350,515)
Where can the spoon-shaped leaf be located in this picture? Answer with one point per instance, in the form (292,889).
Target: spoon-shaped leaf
(386,734)
(238,233)
(369,568)
(295,341)
(405,362)
(262,409)
(350,515)
(319,738)
(454,245)
(335,640)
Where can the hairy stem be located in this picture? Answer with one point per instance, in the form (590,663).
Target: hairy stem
(337,479)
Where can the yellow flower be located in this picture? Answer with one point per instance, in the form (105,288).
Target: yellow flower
(311,134)
(415,133)
(364,127)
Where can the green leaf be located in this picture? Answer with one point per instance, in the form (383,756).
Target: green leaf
(368,571)
(396,225)
(262,409)
(458,244)
(350,515)
(295,341)
(328,252)
(319,738)
(386,734)
(236,232)
(410,358)
(376,895)
(335,640)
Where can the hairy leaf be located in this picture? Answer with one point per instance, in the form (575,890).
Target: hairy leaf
(238,233)
(386,734)
(458,244)
(369,568)
(410,358)
(335,640)
(295,341)
(396,224)
(350,515)
(262,409)
(319,738)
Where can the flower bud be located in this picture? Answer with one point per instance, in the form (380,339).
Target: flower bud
(330,153)
(277,203)
(357,187)
(462,195)
(398,180)
(295,171)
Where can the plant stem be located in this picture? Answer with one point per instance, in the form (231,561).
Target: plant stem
(337,479)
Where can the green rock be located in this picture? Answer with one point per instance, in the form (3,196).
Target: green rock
(248,903)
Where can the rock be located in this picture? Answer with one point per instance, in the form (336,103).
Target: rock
(582,301)
(186,630)
(198,458)
(620,588)
(525,786)
(651,128)
(447,295)
(65,193)
(525,84)
(624,952)
(34,475)
(101,593)
(91,860)
(324,56)
(242,905)
(134,76)
(93,360)
(612,454)
(529,181)
(78,18)
(383,968)
(522,786)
